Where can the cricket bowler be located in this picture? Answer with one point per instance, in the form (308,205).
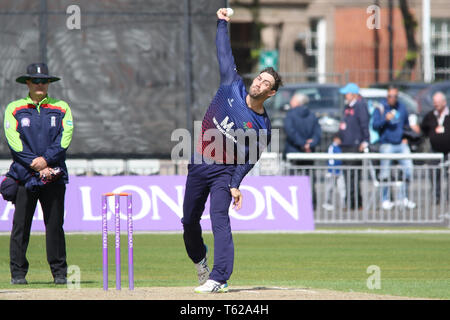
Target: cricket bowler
(232,109)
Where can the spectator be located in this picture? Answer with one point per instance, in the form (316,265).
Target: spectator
(374,135)
(436,126)
(334,179)
(354,133)
(391,120)
(302,133)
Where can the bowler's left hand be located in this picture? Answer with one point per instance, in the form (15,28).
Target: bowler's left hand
(237,198)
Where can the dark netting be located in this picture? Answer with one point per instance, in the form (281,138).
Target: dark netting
(124,74)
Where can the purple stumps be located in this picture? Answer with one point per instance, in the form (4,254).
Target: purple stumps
(130,242)
(117,197)
(117,242)
(105,242)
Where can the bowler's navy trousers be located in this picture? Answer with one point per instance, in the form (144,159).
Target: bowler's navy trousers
(213,180)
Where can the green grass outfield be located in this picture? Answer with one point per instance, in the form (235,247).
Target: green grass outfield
(411,264)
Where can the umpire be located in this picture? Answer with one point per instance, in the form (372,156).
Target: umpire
(38,130)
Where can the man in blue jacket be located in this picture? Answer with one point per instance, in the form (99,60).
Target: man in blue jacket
(303,133)
(301,126)
(355,137)
(218,173)
(38,130)
(391,122)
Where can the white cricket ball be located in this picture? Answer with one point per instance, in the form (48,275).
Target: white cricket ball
(230,12)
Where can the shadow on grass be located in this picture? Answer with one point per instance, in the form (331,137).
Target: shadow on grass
(47,283)
(266,289)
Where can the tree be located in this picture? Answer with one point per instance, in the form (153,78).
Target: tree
(410,25)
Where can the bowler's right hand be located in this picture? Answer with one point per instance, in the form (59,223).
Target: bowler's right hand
(222,14)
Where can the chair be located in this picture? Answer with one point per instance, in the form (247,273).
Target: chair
(144,167)
(268,165)
(4,166)
(108,167)
(77,167)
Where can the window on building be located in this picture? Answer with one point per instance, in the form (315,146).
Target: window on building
(241,43)
(440,48)
(314,49)
(311,50)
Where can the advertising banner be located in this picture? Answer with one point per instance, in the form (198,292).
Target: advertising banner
(270,203)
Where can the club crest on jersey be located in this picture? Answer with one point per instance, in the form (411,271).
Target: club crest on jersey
(25,122)
(248,125)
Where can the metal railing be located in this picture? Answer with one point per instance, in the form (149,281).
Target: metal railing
(352,193)
(119,167)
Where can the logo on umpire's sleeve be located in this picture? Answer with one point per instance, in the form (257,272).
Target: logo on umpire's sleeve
(53,121)
(25,122)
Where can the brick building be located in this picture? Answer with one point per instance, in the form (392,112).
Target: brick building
(330,40)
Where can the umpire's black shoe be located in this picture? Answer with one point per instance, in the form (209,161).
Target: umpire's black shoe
(60,280)
(19,281)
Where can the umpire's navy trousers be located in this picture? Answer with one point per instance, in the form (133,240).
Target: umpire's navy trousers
(51,196)
(203,180)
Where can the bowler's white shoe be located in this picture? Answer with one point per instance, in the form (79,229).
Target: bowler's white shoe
(212,286)
(203,269)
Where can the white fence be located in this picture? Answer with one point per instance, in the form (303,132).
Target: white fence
(353,196)
(353,193)
(114,167)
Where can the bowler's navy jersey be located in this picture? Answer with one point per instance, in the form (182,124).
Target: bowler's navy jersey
(229,113)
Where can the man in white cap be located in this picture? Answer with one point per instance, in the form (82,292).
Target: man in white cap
(355,136)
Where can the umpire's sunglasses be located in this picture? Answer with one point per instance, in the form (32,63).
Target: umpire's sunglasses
(39,80)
